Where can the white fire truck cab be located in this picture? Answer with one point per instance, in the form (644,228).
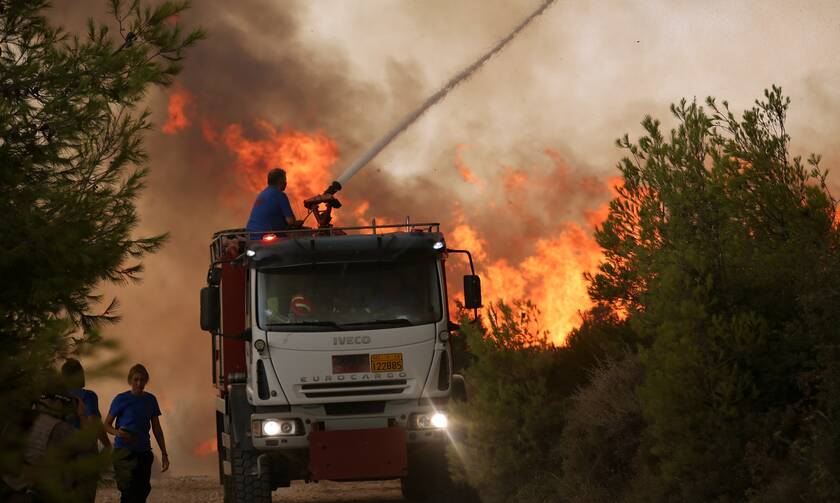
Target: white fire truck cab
(331,357)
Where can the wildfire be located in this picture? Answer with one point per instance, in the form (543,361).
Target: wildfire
(556,238)
(206,447)
(552,277)
(177,116)
(306,157)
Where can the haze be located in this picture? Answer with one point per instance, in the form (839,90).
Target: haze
(517,162)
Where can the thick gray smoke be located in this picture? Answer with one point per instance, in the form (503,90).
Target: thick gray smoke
(460,77)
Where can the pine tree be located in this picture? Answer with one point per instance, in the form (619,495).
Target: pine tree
(722,250)
(73,164)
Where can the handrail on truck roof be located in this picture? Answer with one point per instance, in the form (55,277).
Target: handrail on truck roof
(224,239)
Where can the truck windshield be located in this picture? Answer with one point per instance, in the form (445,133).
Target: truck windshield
(350,296)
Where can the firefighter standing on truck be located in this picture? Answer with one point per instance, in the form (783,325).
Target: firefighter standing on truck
(271,210)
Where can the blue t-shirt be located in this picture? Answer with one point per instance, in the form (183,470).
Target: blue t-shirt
(90,402)
(270,211)
(134,413)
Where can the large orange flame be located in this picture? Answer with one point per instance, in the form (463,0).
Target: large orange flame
(307,158)
(551,277)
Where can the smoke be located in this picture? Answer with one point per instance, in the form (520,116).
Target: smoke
(517,163)
(460,77)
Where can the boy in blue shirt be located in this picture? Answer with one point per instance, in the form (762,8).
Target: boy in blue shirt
(88,418)
(135,412)
(271,210)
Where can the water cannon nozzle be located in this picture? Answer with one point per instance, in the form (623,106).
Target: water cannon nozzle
(333,188)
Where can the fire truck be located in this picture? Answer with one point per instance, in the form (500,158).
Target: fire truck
(331,355)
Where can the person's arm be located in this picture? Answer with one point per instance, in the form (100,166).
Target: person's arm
(95,417)
(100,432)
(101,435)
(158,432)
(108,424)
(286,208)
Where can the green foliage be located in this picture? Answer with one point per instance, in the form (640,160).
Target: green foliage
(723,249)
(600,443)
(73,165)
(512,409)
(519,388)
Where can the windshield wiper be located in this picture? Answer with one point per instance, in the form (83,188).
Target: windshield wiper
(395,321)
(330,324)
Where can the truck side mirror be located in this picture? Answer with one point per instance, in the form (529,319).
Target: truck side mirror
(472,291)
(210,308)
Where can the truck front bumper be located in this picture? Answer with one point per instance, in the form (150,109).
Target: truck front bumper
(314,420)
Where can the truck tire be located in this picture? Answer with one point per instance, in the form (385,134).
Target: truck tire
(244,486)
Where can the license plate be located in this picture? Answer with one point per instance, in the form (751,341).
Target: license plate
(389,362)
(347,364)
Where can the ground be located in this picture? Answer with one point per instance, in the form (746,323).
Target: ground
(208,490)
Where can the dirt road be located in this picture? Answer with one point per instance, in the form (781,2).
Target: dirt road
(207,490)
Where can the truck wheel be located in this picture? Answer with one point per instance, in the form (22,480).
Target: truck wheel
(244,486)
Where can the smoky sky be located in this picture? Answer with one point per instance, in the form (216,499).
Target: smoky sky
(549,107)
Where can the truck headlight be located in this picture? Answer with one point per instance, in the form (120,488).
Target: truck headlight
(439,420)
(425,421)
(271,428)
(276,427)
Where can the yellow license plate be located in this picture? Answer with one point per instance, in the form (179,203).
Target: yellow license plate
(389,362)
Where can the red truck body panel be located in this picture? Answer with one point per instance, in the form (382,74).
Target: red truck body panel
(234,297)
(371,454)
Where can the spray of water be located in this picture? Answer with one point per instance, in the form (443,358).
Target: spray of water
(461,76)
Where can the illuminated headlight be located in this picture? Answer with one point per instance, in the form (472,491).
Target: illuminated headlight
(271,428)
(277,427)
(250,253)
(438,246)
(428,421)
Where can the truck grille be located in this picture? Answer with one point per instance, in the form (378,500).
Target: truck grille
(351,408)
(336,389)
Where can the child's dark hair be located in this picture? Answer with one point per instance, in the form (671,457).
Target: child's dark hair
(73,373)
(138,369)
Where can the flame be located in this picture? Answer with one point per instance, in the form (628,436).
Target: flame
(551,277)
(306,157)
(466,173)
(597,216)
(177,116)
(206,447)
(514,179)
